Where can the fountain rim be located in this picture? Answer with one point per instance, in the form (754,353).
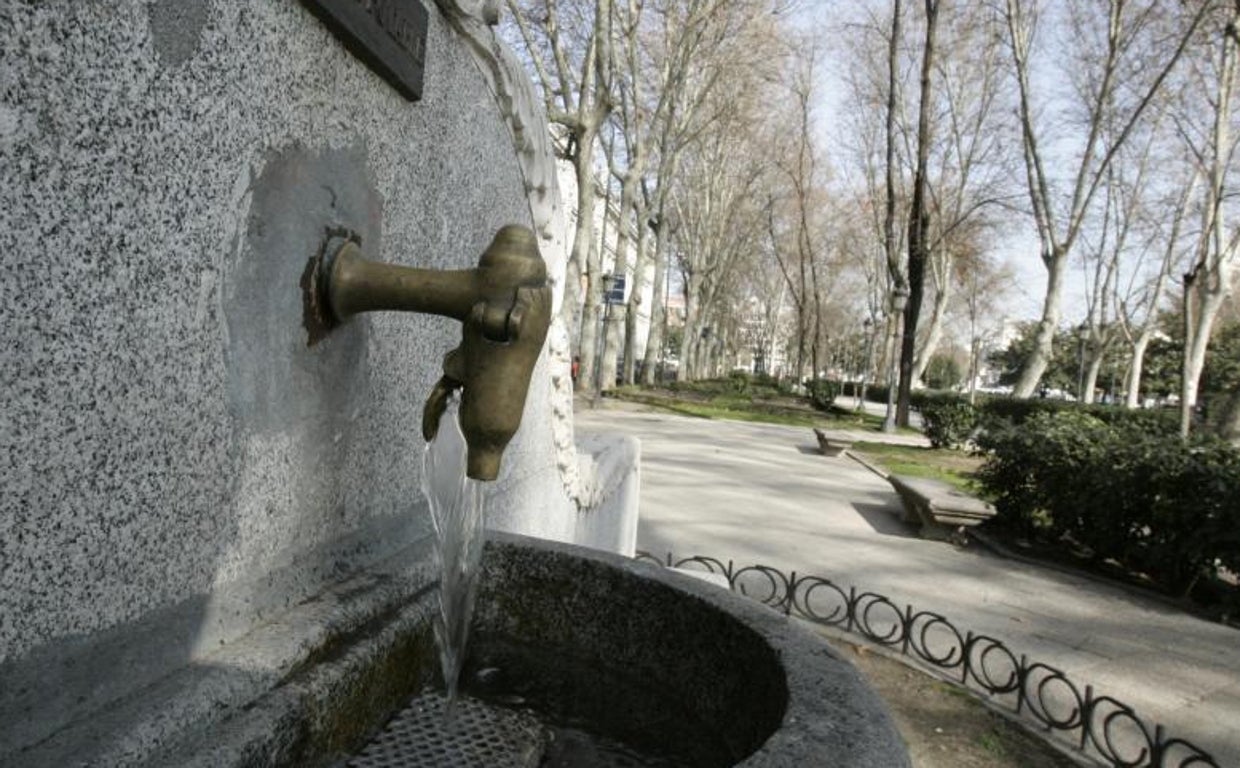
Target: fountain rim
(262,699)
(829,702)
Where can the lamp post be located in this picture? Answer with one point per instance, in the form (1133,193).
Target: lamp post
(899,298)
(609,284)
(868,326)
(703,347)
(667,308)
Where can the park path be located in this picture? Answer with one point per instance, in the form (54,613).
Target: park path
(759,493)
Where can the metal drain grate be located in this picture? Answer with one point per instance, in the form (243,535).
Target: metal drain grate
(477,735)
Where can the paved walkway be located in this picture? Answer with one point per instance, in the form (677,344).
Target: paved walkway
(758,493)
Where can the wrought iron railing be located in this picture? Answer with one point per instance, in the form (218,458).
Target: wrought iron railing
(1101,726)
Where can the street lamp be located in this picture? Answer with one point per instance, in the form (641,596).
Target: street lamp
(868,326)
(899,298)
(609,284)
(703,346)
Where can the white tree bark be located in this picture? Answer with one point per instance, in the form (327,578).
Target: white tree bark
(1059,226)
(579,102)
(1206,286)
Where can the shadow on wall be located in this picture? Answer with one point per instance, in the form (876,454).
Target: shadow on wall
(294,520)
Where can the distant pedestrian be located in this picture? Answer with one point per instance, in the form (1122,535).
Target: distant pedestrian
(576,369)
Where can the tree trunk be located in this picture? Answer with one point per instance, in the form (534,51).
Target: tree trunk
(919,222)
(975,353)
(1210,279)
(1090,382)
(891,346)
(635,300)
(908,339)
(934,333)
(1197,327)
(1132,398)
(689,331)
(613,334)
(587,372)
(658,309)
(1194,360)
(583,253)
(1040,356)
(612,341)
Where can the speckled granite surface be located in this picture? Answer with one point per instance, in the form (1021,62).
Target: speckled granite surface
(176,464)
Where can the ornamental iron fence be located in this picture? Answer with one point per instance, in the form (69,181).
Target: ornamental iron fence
(1098,725)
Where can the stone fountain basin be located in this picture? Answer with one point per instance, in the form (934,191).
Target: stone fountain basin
(640,655)
(680,658)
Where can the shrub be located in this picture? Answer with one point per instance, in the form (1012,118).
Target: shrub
(1007,411)
(822,393)
(998,412)
(943,372)
(948,419)
(874,393)
(1162,422)
(849,388)
(739,382)
(1148,501)
(1194,512)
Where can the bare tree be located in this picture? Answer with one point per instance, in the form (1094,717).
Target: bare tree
(716,202)
(919,217)
(793,208)
(970,169)
(635,119)
(1125,191)
(714,42)
(1116,69)
(897,280)
(1207,283)
(573,66)
(674,55)
(1138,310)
(983,287)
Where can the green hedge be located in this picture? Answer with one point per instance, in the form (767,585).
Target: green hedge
(874,393)
(947,418)
(950,418)
(822,393)
(736,384)
(739,382)
(1007,411)
(1150,502)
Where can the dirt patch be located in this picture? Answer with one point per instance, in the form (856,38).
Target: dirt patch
(946,727)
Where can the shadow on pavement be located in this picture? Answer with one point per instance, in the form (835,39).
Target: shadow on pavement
(883,520)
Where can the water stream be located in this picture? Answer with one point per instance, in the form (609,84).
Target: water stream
(547,690)
(456,504)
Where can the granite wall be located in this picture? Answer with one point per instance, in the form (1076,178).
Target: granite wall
(177,464)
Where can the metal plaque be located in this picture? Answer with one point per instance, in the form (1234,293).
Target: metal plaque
(388,35)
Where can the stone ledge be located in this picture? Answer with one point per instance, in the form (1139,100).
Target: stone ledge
(276,674)
(832,444)
(938,507)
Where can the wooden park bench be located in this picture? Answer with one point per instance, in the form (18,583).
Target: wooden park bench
(832,444)
(942,510)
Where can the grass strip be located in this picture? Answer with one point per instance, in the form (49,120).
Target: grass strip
(954,467)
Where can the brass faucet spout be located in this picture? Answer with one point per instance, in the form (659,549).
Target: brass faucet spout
(504,306)
(356,285)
